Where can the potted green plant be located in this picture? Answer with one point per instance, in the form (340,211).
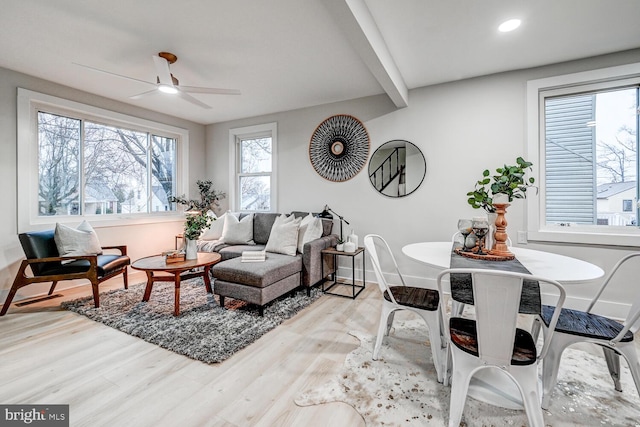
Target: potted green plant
(509,180)
(197,217)
(194,225)
(209,198)
(507,184)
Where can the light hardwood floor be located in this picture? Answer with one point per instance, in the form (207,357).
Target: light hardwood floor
(51,356)
(109,378)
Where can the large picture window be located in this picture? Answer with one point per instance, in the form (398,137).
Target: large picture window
(88,168)
(84,164)
(583,131)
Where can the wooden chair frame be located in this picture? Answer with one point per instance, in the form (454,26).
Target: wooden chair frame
(22,279)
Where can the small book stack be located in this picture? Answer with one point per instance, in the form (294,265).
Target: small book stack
(253,256)
(173,256)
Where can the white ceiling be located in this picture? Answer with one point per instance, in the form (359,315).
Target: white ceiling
(290,54)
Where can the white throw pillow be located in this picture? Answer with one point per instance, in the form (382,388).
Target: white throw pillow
(214,231)
(284,235)
(235,232)
(310,229)
(76,241)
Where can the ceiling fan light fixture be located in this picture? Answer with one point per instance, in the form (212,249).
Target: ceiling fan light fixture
(167,89)
(509,25)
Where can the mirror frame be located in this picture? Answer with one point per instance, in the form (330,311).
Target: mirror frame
(392,143)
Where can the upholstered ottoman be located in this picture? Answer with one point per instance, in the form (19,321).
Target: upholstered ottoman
(257,282)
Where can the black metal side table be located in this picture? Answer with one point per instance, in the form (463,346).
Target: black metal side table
(332,284)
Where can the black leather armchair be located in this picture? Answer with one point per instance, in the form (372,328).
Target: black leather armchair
(46,265)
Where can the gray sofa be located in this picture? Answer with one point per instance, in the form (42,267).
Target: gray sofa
(261,282)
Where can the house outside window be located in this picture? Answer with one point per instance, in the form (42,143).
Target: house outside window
(254,153)
(85,162)
(583,140)
(101,169)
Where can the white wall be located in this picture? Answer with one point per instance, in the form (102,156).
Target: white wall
(461,127)
(141,240)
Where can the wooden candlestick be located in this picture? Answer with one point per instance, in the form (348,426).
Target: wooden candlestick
(500,236)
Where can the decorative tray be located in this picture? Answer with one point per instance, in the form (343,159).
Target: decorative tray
(173,256)
(486,257)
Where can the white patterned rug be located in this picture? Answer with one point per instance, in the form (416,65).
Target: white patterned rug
(400,388)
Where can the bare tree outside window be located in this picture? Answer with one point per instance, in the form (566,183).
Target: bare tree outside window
(124,170)
(58,164)
(617,158)
(112,165)
(255,174)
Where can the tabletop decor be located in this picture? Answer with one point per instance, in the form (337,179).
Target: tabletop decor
(194,225)
(197,214)
(339,148)
(495,193)
(474,237)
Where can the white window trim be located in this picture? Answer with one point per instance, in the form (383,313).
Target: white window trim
(28,104)
(235,135)
(536,229)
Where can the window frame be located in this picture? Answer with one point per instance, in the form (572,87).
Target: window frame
(28,105)
(537,90)
(247,132)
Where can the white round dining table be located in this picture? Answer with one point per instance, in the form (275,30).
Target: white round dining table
(562,268)
(491,385)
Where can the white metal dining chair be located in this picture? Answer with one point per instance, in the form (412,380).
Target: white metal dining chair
(424,302)
(492,340)
(583,326)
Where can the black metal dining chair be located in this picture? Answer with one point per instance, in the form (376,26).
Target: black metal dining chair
(574,326)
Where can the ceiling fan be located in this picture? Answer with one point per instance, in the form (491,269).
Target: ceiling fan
(168,83)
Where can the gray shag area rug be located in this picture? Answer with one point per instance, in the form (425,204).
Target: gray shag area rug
(204,331)
(400,388)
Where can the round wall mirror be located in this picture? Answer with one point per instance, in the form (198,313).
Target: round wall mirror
(397,168)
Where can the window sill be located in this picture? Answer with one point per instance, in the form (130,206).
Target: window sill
(581,237)
(100,221)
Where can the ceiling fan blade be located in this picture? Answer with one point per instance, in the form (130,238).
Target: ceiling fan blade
(113,74)
(211,90)
(140,95)
(192,100)
(162,68)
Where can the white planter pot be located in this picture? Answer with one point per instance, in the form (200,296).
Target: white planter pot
(191,249)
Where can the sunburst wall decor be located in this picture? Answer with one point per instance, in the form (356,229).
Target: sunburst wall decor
(339,148)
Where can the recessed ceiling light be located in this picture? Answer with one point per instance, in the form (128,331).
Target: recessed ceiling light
(509,25)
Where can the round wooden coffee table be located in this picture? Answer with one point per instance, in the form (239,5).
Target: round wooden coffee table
(176,272)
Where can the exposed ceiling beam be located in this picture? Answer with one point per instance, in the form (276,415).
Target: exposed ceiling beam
(355,19)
